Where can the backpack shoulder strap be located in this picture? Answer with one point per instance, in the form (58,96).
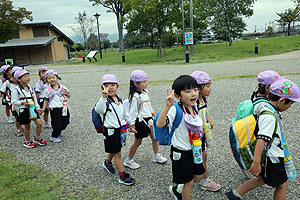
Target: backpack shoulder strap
(259,99)
(178,116)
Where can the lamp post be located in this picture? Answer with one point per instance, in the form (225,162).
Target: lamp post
(97,16)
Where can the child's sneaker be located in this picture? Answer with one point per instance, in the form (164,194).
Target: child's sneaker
(40,141)
(109,167)
(47,125)
(231,196)
(174,193)
(126,179)
(29,144)
(9,120)
(210,185)
(131,164)
(159,159)
(19,132)
(55,139)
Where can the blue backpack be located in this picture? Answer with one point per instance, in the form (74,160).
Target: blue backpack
(162,135)
(96,118)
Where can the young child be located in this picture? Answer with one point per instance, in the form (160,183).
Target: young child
(115,117)
(10,86)
(283,93)
(204,88)
(41,85)
(55,98)
(21,97)
(142,112)
(185,171)
(6,70)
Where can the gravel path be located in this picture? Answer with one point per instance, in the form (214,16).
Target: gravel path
(81,152)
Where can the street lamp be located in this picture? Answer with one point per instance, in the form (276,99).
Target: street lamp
(97,17)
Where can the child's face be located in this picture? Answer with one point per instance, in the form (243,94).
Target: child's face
(284,107)
(112,88)
(42,74)
(25,79)
(9,73)
(188,96)
(142,85)
(205,90)
(52,79)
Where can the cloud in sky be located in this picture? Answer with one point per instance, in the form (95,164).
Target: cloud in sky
(61,13)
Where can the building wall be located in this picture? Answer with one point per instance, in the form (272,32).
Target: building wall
(26,33)
(58,46)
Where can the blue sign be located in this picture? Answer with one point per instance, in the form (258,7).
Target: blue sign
(188,38)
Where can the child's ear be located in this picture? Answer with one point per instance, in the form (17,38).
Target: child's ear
(135,84)
(282,100)
(177,96)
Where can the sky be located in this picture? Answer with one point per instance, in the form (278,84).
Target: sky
(61,13)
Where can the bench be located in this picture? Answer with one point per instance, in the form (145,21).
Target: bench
(92,54)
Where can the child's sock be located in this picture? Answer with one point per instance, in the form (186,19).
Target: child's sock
(179,188)
(107,161)
(37,138)
(204,180)
(155,155)
(128,159)
(122,174)
(236,193)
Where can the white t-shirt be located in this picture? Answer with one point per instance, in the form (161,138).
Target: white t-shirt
(20,95)
(266,124)
(40,87)
(57,100)
(140,106)
(180,139)
(5,86)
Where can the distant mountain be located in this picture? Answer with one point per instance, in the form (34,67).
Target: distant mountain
(111,37)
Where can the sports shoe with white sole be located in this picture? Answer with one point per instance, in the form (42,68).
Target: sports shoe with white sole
(210,185)
(131,164)
(159,159)
(174,193)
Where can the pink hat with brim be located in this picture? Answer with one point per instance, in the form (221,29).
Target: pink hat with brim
(285,88)
(42,68)
(51,72)
(20,73)
(109,78)
(4,68)
(268,77)
(14,69)
(138,76)
(201,77)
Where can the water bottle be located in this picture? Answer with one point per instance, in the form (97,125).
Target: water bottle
(208,134)
(32,112)
(197,151)
(123,139)
(65,108)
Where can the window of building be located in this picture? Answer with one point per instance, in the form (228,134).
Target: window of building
(60,39)
(40,31)
(16,35)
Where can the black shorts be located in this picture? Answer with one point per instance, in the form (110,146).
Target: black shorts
(4,102)
(142,128)
(203,140)
(275,173)
(183,166)
(41,103)
(112,143)
(24,116)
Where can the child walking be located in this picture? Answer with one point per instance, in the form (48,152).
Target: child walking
(185,169)
(41,85)
(7,75)
(142,112)
(55,98)
(115,118)
(283,93)
(10,86)
(204,88)
(22,96)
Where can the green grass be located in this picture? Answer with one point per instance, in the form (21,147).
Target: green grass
(19,180)
(203,52)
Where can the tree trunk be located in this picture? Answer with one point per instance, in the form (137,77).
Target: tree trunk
(159,43)
(152,40)
(289,28)
(120,30)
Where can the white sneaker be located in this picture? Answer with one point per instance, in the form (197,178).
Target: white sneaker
(55,139)
(159,159)
(131,164)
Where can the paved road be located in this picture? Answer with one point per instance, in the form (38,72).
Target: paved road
(80,154)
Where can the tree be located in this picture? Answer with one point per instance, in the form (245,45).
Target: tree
(269,32)
(11,19)
(84,27)
(289,16)
(92,42)
(119,8)
(106,44)
(228,12)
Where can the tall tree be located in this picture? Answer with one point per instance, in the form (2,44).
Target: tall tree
(83,27)
(11,19)
(226,12)
(92,42)
(119,8)
(289,16)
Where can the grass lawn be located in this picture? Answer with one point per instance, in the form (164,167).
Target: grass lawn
(203,52)
(19,180)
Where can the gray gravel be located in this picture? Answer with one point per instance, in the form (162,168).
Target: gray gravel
(81,152)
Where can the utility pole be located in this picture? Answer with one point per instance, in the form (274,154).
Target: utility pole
(191,24)
(100,51)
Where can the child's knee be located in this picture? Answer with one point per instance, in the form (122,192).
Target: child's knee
(38,123)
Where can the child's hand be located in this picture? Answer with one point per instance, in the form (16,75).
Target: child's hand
(153,114)
(104,91)
(40,111)
(132,129)
(169,99)
(255,169)
(65,92)
(211,124)
(25,103)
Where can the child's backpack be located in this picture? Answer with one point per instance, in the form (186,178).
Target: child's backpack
(97,120)
(52,92)
(246,108)
(242,137)
(163,135)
